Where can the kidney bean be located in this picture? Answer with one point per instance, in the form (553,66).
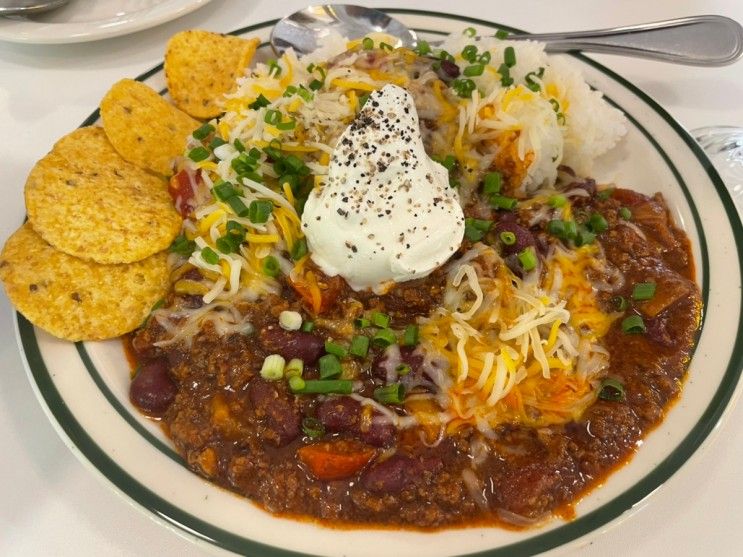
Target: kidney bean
(381,432)
(448,70)
(293,344)
(282,419)
(153,390)
(343,414)
(408,356)
(398,472)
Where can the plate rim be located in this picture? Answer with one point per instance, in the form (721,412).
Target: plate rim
(720,404)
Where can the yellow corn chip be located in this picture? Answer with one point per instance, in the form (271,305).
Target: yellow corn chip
(200,67)
(87,201)
(143,127)
(76,299)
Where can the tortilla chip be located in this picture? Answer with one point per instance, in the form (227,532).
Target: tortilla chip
(143,127)
(87,201)
(76,299)
(201,67)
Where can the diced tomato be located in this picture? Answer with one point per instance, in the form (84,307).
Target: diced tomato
(182,191)
(335,460)
(324,298)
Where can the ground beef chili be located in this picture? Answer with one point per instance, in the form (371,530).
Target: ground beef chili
(246,433)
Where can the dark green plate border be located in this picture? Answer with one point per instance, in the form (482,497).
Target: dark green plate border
(561,535)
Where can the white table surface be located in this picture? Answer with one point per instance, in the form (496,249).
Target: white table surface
(50,504)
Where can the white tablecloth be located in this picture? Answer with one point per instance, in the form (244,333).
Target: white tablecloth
(50,504)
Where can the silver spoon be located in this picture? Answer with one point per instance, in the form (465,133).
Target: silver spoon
(28,7)
(706,40)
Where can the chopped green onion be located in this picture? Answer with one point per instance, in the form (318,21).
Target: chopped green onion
(329,366)
(316,84)
(605,194)
(390,394)
(449,162)
(289,91)
(273,367)
(384,337)
(571,229)
(597,223)
(583,236)
(308,326)
(274,70)
(234,227)
(284,126)
(422,48)
(531,83)
(611,390)
(633,325)
(475,229)
(509,56)
(473,70)
(182,246)
(444,55)
(359,346)
(643,291)
(386,46)
(410,336)
(272,117)
(229,243)
(557,201)
(198,154)
(361,322)
(216,142)
(294,368)
(507,237)
(620,302)
(203,132)
(290,320)
(260,102)
(367,43)
(469,32)
(296,383)
(469,53)
(237,206)
(362,100)
(335,349)
(260,210)
(403,369)
(327,386)
(312,427)
(556,228)
(505,73)
(299,249)
(625,213)
(224,190)
(463,87)
(484,58)
(209,255)
(501,34)
(305,94)
(492,183)
(379,319)
(271,266)
(528,259)
(503,202)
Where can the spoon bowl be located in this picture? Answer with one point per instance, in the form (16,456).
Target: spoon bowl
(29,7)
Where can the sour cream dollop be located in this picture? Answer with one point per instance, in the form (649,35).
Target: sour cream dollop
(386,212)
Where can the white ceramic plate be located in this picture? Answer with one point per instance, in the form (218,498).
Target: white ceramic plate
(84,386)
(90,20)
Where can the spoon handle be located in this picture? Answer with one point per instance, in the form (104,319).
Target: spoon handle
(705,40)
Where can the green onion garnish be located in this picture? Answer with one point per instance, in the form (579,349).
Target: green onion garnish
(597,223)
(463,87)
(203,132)
(384,337)
(289,91)
(274,70)
(422,48)
(182,246)
(234,227)
(403,369)
(583,236)
(501,34)
(469,32)
(507,237)
(284,126)
(503,202)
(557,201)
(484,58)
(556,228)
(299,249)
(633,325)
(273,367)
(385,46)
(260,102)
(308,326)
(620,302)
(327,386)
(643,291)
(260,210)
(475,229)
(229,243)
(505,73)
(312,427)
(509,56)
(390,394)
(329,366)
(379,319)
(410,336)
(367,43)
(469,53)
(611,390)
(361,322)
(492,183)
(224,190)
(473,70)
(272,117)
(216,142)
(198,154)
(237,206)
(335,349)
(294,368)
(625,213)
(530,81)
(270,266)
(209,255)
(359,346)
(571,229)
(605,194)
(528,258)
